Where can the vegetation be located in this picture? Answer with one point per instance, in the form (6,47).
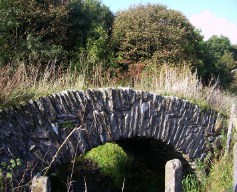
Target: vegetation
(155,33)
(52,31)
(110,165)
(6,173)
(219,177)
(220,58)
(19,86)
(86,35)
(23,83)
(112,161)
(51,45)
(120,170)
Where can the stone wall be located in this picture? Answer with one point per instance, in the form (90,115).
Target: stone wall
(35,131)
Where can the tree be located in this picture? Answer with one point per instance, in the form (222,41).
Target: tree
(218,45)
(221,58)
(155,33)
(51,31)
(96,28)
(233,49)
(31,30)
(90,28)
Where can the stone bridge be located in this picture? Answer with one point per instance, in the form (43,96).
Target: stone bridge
(50,130)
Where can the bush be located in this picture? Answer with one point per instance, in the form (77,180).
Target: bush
(154,32)
(112,160)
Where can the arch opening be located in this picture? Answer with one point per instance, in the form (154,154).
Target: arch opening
(144,170)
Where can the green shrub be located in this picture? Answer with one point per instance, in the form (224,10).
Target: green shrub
(112,160)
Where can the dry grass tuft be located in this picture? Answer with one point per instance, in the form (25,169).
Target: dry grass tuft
(183,83)
(24,83)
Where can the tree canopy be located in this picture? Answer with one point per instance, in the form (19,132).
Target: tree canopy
(31,30)
(220,58)
(44,31)
(153,32)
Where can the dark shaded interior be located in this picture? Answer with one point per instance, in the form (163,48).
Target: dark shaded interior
(149,157)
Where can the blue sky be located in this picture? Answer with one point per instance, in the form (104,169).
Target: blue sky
(213,17)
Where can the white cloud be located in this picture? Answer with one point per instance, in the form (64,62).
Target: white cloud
(210,25)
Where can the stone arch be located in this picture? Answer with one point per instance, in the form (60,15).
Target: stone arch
(85,119)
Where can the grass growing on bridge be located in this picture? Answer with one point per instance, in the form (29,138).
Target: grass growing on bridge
(22,84)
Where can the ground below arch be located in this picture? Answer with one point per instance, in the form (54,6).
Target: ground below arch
(146,173)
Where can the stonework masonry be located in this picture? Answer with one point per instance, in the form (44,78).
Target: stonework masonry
(34,132)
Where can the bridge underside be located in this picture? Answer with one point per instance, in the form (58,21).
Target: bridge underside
(154,154)
(145,169)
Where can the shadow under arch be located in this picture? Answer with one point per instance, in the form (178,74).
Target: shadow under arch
(145,170)
(154,153)
(150,156)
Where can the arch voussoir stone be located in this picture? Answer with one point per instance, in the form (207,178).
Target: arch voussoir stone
(36,131)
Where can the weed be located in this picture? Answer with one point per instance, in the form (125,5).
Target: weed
(191,184)
(6,173)
(220,177)
(183,83)
(23,84)
(67,125)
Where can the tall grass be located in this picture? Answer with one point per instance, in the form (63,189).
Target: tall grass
(191,184)
(24,83)
(184,83)
(221,175)
(219,178)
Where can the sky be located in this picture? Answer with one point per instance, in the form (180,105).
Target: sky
(212,17)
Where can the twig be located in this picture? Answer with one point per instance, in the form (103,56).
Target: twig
(59,149)
(85,184)
(28,168)
(123,184)
(73,165)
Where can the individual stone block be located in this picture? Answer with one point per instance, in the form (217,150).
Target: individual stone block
(173,176)
(40,184)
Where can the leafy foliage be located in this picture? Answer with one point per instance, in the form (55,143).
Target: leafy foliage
(112,160)
(219,58)
(31,30)
(153,32)
(50,31)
